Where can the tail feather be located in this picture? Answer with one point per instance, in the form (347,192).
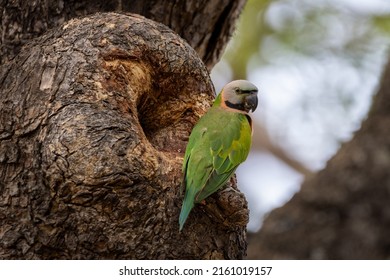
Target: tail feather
(186,208)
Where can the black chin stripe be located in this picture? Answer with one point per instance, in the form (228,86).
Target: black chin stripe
(240,106)
(249,120)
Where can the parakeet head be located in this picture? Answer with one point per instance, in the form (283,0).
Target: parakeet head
(239,95)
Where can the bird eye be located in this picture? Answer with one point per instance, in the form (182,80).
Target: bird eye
(237,90)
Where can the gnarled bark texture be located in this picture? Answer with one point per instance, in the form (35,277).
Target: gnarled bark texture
(94,119)
(205,25)
(343,212)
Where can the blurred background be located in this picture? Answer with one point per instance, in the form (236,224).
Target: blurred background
(317,65)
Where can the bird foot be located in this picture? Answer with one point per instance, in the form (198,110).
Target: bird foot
(203,202)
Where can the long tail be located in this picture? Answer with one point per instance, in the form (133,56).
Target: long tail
(186,208)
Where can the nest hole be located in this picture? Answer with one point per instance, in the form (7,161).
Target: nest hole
(166,122)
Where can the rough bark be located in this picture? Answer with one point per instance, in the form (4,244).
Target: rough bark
(343,212)
(95,116)
(206,25)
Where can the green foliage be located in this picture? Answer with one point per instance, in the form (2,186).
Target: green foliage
(302,28)
(250,31)
(382,23)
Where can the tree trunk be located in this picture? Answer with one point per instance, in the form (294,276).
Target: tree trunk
(94,120)
(205,25)
(343,212)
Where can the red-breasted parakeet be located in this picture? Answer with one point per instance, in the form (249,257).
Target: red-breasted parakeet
(218,143)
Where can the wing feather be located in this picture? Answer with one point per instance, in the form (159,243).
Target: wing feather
(219,142)
(229,147)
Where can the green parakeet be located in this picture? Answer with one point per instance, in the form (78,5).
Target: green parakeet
(218,143)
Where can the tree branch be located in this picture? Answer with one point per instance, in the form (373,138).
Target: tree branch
(94,119)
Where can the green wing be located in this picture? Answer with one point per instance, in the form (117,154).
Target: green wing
(221,143)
